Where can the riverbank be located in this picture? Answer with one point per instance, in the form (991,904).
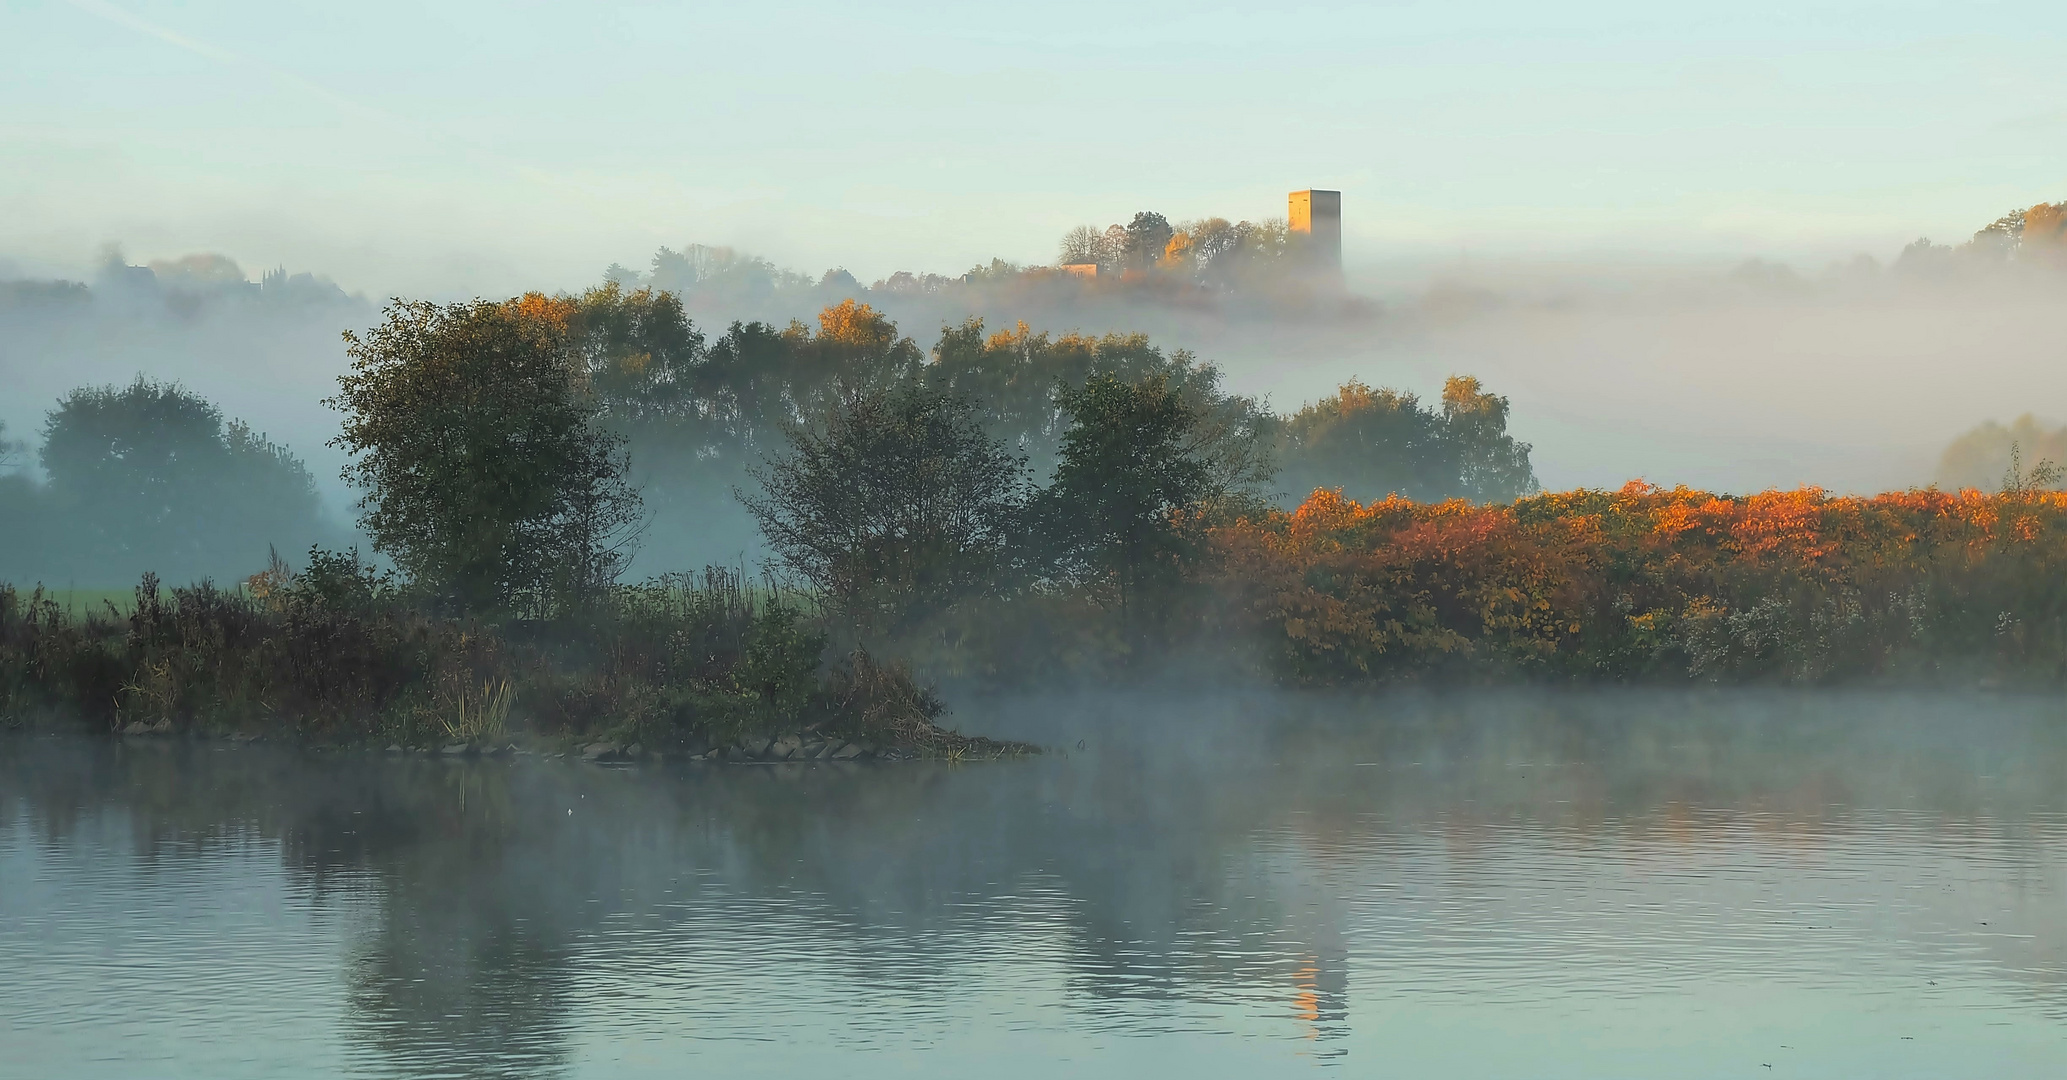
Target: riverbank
(1639,586)
(804,746)
(701,668)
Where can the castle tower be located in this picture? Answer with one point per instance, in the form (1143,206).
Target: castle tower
(1315,221)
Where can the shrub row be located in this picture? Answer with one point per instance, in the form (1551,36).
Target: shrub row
(337,653)
(1650,583)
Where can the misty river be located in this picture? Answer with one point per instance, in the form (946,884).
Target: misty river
(1484,884)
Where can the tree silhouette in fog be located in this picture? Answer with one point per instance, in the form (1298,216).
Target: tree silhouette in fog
(898,503)
(1378,442)
(152,476)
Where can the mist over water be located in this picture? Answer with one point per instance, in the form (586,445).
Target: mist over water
(1618,884)
(833,540)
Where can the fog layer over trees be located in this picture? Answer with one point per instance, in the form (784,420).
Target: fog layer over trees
(1006,506)
(694,417)
(1853,378)
(699,417)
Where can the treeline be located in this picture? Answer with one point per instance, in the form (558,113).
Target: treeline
(1008,507)
(507,454)
(698,415)
(1216,263)
(1138,550)
(663,435)
(1211,254)
(1994,454)
(1254,267)
(913,509)
(185,286)
(1208,253)
(2035,238)
(495,485)
(150,477)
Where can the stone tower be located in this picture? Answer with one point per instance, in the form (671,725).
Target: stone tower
(1315,220)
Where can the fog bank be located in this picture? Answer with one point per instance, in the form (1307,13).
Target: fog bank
(1730,378)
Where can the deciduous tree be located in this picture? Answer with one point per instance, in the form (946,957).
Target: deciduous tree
(1378,442)
(150,476)
(1491,465)
(1123,509)
(898,502)
(1148,235)
(474,437)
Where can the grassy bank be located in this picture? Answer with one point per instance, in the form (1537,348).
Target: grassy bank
(1636,585)
(337,654)
(80,603)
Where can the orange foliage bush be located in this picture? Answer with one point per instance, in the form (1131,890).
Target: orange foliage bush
(1644,581)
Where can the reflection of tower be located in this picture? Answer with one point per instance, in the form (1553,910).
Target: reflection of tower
(1314,218)
(1320,997)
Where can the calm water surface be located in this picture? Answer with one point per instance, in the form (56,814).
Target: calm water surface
(1492,885)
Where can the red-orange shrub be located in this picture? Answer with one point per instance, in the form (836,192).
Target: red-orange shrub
(1645,581)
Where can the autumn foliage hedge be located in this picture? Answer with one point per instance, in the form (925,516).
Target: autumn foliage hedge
(1644,582)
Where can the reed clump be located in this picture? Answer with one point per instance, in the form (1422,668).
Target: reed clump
(884,703)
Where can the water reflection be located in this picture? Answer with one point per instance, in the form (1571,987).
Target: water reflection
(1261,883)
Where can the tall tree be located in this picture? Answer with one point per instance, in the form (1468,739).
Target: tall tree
(898,503)
(1492,466)
(1083,244)
(1123,509)
(474,437)
(640,354)
(1147,237)
(1112,254)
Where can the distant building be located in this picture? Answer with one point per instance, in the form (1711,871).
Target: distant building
(1079,269)
(1314,218)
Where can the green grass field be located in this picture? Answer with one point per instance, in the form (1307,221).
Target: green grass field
(81,602)
(88,601)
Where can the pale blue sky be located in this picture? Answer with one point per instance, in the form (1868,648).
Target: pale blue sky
(460,147)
